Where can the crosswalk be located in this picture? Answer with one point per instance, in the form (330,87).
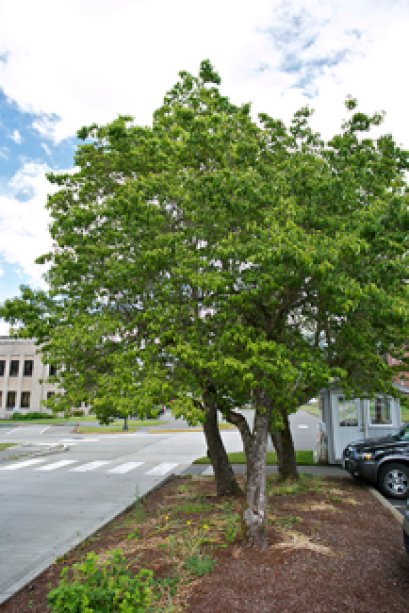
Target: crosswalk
(120,469)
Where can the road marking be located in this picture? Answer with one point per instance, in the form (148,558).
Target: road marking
(90,440)
(209,472)
(302,426)
(162,469)
(23,464)
(124,468)
(45,429)
(56,465)
(90,466)
(10,432)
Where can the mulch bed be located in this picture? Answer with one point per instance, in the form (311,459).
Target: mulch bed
(332,547)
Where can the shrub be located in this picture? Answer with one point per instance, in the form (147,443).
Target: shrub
(77,413)
(33,415)
(106,588)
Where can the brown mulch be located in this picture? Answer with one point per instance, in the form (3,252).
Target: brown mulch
(332,547)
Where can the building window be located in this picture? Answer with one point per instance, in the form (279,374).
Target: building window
(347,411)
(14,368)
(2,367)
(53,371)
(380,412)
(49,395)
(28,368)
(11,400)
(25,400)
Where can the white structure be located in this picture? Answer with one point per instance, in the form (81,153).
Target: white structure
(20,370)
(344,421)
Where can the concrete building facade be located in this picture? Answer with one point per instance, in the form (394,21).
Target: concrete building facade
(21,368)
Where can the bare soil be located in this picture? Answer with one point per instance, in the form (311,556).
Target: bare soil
(332,547)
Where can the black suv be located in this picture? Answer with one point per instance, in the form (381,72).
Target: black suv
(383,462)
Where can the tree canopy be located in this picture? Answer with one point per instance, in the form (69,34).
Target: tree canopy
(207,254)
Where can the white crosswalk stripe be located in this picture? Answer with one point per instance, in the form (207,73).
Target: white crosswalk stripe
(23,464)
(57,465)
(84,468)
(124,468)
(162,469)
(120,469)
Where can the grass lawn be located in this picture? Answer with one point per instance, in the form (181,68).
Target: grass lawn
(405,415)
(133,425)
(304,458)
(310,408)
(7,445)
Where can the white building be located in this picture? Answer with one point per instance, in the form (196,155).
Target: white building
(21,368)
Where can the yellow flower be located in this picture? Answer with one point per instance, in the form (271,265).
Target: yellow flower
(206,527)
(188,523)
(166,517)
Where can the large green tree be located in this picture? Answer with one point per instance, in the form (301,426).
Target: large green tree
(215,260)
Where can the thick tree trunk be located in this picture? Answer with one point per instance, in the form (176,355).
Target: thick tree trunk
(284,445)
(256,498)
(255,447)
(226,483)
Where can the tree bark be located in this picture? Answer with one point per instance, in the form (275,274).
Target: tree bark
(226,483)
(284,445)
(255,447)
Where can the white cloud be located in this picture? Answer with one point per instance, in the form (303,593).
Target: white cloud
(24,232)
(3,153)
(46,149)
(120,58)
(16,136)
(270,54)
(1,272)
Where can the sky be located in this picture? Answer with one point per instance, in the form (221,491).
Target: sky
(71,63)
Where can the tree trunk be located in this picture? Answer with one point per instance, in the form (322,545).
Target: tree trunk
(284,446)
(226,483)
(256,498)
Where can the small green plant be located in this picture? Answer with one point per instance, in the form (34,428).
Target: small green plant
(231,526)
(191,507)
(134,534)
(139,511)
(303,485)
(287,522)
(335,499)
(199,565)
(106,588)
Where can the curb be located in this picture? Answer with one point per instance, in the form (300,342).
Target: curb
(49,451)
(387,505)
(31,577)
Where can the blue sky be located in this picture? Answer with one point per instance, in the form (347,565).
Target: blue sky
(71,63)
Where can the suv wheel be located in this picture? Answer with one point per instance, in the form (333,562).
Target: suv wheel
(393,480)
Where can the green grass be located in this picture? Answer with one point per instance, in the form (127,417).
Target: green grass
(117,427)
(55,420)
(303,458)
(6,445)
(310,408)
(303,485)
(405,414)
